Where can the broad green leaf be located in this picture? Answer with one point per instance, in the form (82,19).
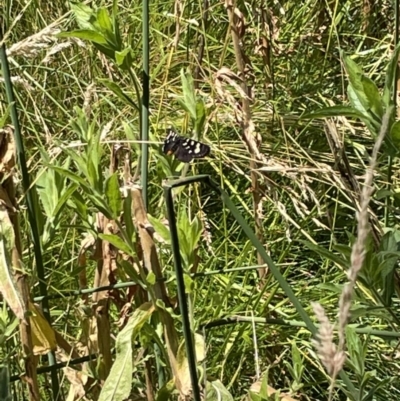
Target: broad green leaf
(395,134)
(200,118)
(118,385)
(124,58)
(83,15)
(298,366)
(160,228)
(151,278)
(118,243)
(92,176)
(390,78)
(108,50)
(103,21)
(355,75)
(372,93)
(85,34)
(47,190)
(113,195)
(189,95)
(355,101)
(114,14)
(355,350)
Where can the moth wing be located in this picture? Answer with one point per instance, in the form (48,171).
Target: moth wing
(171,142)
(200,149)
(183,154)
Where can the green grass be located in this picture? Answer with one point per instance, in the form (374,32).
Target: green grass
(306,198)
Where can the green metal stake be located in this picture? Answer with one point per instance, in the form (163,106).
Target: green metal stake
(145,103)
(29,191)
(191,356)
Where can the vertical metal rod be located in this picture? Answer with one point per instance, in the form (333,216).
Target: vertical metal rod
(145,102)
(190,351)
(31,207)
(145,138)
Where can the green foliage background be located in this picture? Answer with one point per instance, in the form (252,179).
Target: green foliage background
(308,209)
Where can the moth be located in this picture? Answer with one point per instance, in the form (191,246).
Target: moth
(184,149)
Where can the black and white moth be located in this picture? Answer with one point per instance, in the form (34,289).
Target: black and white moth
(184,149)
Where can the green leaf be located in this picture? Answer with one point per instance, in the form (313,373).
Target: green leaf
(113,195)
(100,204)
(160,228)
(335,111)
(374,98)
(395,134)
(355,74)
(5,114)
(103,21)
(115,22)
(64,198)
(127,217)
(118,243)
(189,95)
(298,366)
(390,75)
(83,14)
(85,34)
(215,390)
(151,278)
(8,286)
(324,253)
(72,176)
(118,385)
(264,386)
(200,118)
(165,392)
(374,390)
(119,92)
(47,190)
(124,58)
(355,349)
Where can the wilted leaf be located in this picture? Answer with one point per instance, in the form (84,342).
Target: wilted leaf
(43,336)
(8,286)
